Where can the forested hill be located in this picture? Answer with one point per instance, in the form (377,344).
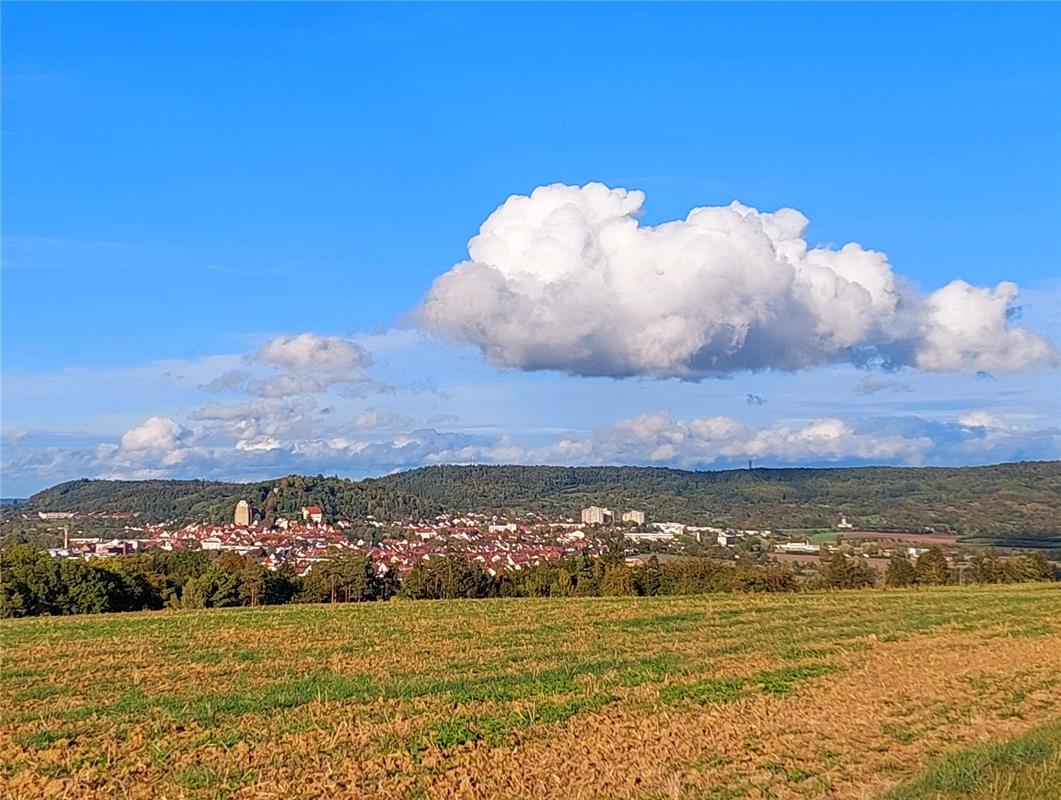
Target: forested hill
(1006,499)
(193,501)
(1013,500)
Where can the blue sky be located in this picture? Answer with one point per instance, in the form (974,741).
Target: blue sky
(184,182)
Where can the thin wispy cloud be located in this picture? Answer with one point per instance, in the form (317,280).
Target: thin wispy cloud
(870,385)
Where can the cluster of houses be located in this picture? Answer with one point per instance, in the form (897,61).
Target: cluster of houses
(501,544)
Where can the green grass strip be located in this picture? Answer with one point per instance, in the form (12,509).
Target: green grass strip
(1028,768)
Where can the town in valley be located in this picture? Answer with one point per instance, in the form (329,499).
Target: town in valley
(501,544)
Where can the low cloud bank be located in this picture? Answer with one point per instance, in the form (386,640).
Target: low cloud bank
(273,442)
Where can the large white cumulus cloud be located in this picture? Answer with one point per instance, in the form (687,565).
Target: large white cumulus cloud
(568,279)
(967,326)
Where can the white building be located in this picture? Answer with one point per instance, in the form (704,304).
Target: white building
(799,547)
(672,528)
(843,524)
(655,536)
(636,517)
(596,515)
(726,539)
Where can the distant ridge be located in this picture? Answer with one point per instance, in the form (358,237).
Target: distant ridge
(1011,502)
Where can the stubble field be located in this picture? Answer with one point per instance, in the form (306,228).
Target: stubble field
(908,694)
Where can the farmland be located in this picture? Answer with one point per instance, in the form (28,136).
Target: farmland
(839,695)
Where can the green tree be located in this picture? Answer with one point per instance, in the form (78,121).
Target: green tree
(538,579)
(693,576)
(589,576)
(649,578)
(31,585)
(986,568)
(932,568)
(843,572)
(88,588)
(753,578)
(1044,570)
(321,584)
(617,581)
(564,582)
(136,585)
(357,578)
(218,587)
(614,547)
(280,586)
(900,572)
(1034,567)
(345,578)
(252,584)
(445,577)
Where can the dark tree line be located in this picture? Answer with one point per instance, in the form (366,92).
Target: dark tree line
(441,578)
(932,569)
(33,583)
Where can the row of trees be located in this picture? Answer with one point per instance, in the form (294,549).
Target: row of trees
(442,578)
(34,584)
(933,569)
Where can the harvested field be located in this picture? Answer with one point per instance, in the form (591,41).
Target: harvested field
(823,695)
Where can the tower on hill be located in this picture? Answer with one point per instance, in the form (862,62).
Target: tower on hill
(243,513)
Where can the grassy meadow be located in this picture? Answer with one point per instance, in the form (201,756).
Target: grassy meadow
(904,695)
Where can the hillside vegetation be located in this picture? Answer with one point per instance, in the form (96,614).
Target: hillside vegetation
(1015,502)
(1007,499)
(195,501)
(840,695)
